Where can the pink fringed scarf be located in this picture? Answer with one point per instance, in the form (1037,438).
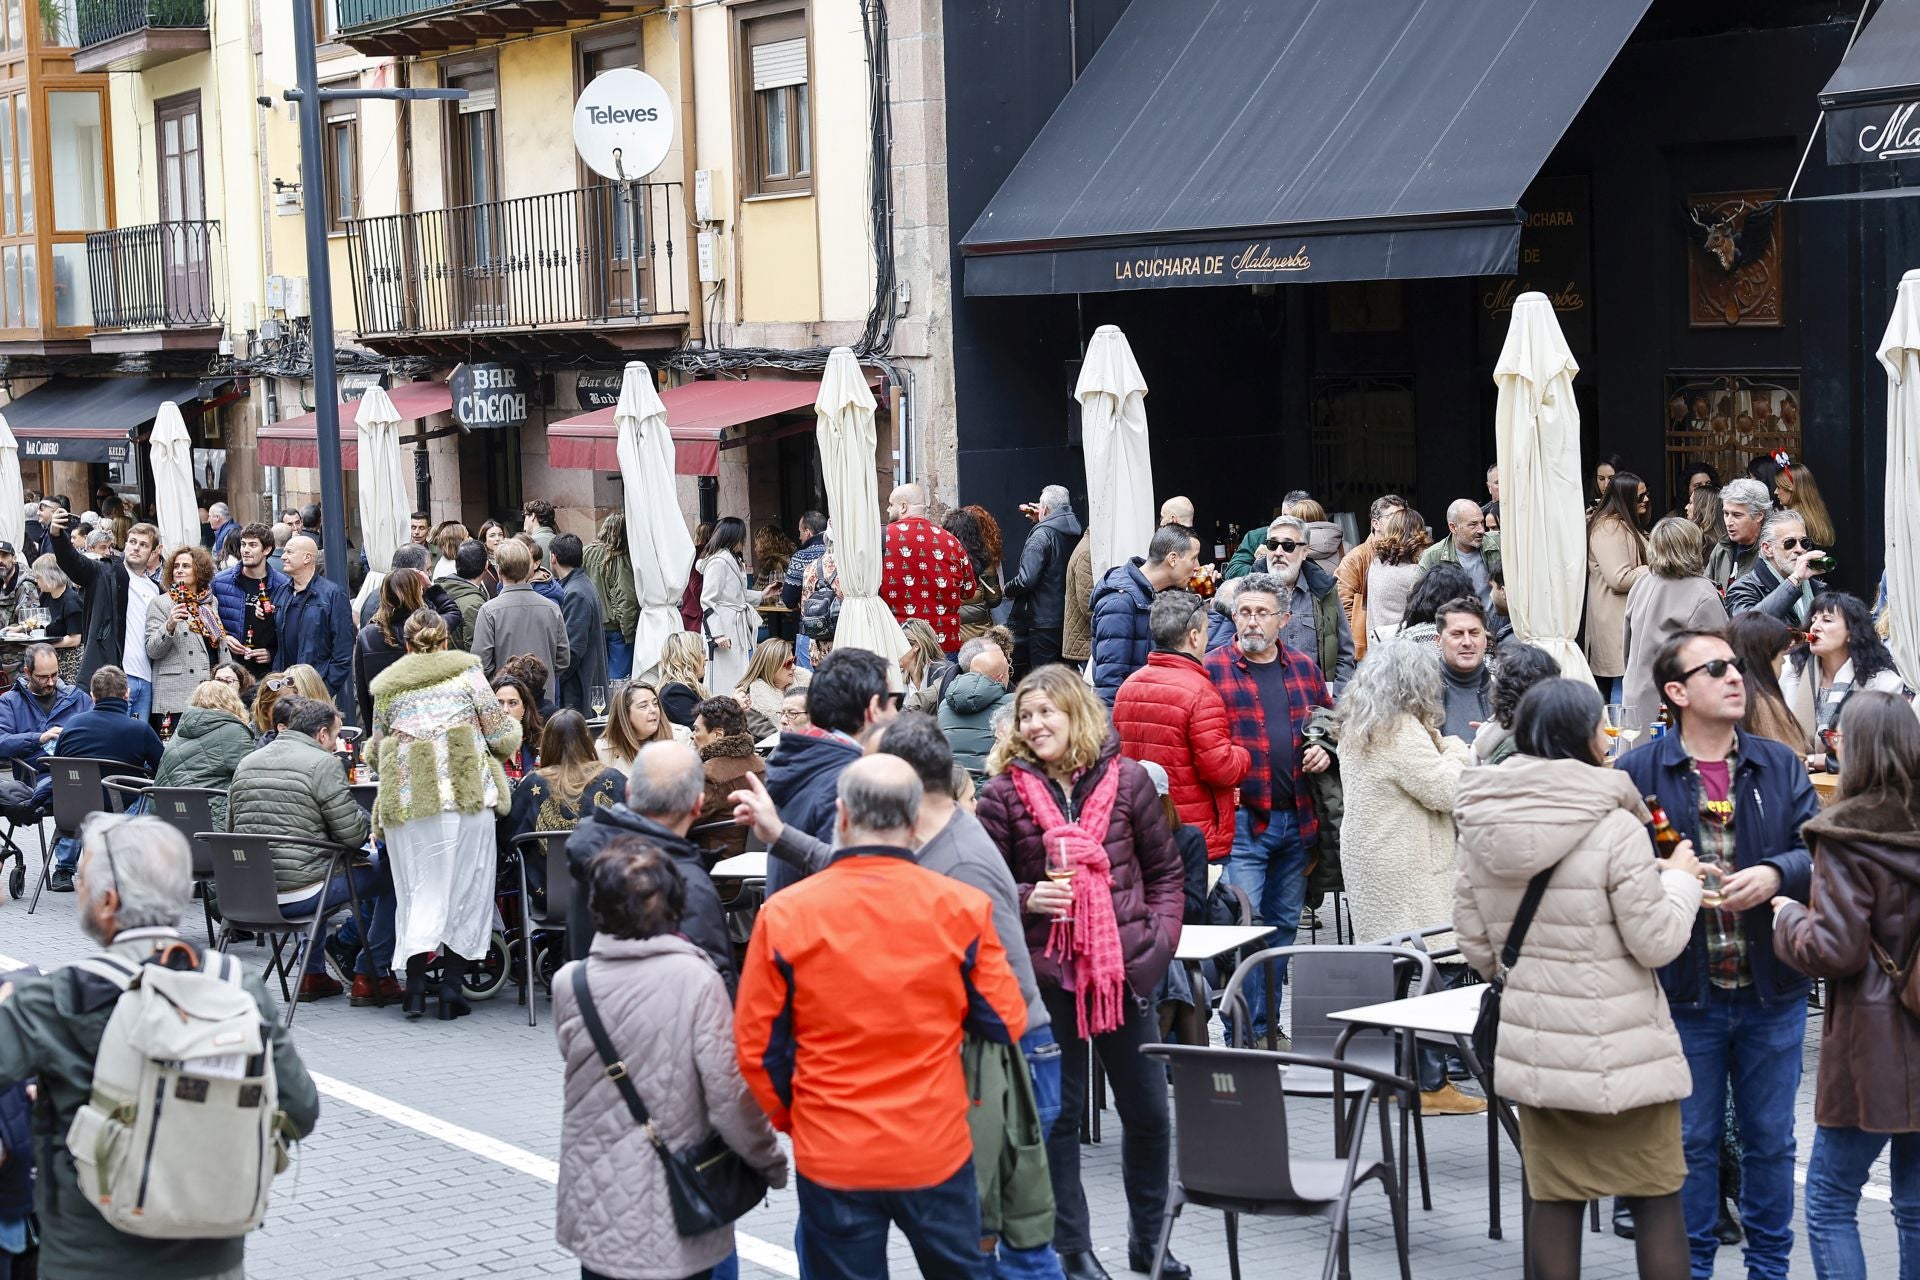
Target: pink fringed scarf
(1087,938)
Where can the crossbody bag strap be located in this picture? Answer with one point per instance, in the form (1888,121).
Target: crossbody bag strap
(1522,921)
(616,1068)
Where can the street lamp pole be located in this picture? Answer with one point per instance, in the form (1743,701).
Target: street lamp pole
(313,202)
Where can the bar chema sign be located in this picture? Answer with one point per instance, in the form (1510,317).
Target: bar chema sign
(488,395)
(623,124)
(1867,135)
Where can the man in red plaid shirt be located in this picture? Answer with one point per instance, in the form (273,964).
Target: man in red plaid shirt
(1270,690)
(926,573)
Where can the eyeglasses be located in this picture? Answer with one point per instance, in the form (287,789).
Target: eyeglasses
(1716,669)
(1287,545)
(1259,615)
(1795,544)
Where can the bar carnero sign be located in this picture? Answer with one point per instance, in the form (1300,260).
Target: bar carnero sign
(488,395)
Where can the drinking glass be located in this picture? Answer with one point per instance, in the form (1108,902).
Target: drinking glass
(1059,862)
(597,697)
(1613,720)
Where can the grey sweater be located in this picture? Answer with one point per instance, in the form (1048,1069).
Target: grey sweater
(962,850)
(1467,701)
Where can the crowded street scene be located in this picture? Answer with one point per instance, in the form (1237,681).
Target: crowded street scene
(696,639)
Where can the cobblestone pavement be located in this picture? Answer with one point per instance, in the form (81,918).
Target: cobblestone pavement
(435,1151)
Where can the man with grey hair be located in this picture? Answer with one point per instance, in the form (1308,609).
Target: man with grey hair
(666,789)
(135,882)
(1782,580)
(220,520)
(33,715)
(1123,604)
(100,543)
(1469,545)
(1317,624)
(1744,505)
(860,1061)
(972,697)
(1270,692)
(1038,588)
(1168,712)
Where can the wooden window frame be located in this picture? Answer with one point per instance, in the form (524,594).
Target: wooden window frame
(796,19)
(340,118)
(596,40)
(453,161)
(192,103)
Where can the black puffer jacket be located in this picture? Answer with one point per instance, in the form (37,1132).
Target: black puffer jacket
(704,923)
(1039,589)
(1149,878)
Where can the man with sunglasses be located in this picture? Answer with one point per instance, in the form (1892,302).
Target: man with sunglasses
(1741,1013)
(1316,626)
(1782,581)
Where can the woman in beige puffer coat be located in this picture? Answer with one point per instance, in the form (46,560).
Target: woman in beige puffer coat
(667,1015)
(1587,1047)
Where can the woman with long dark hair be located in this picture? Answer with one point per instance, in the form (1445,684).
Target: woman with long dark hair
(980,535)
(1762,642)
(524,709)
(1616,559)
(1125,898)
(382,642)
(570,784)
(1609,466)
(727,616)
(1588,1049)
(1841,655)
(1858,930)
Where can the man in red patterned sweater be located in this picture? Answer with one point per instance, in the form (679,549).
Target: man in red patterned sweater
(926,573)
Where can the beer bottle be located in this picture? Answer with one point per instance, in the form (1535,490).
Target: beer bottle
(1665,838)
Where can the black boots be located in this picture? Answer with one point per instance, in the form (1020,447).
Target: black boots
(453,1002)
(414,1001)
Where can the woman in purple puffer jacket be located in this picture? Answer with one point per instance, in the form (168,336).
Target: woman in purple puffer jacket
(1101,940)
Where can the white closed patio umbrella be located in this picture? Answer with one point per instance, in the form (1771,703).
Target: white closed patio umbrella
(170,454)
(1113,427)
(1543,527)
(385,508)
(844,409)
(657,537)
(13,503)
(1899,351)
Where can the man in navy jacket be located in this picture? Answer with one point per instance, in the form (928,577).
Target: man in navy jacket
(316,627)
(1741,800)
(109,731)
(1122,636)
(848,693)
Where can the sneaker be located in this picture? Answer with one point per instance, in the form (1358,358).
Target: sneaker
(345,957)
(1447,1100)
(318,986)
(62,880)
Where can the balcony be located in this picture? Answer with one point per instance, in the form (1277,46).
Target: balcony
(556,272)
(156,287)
(420,28)
(132,35)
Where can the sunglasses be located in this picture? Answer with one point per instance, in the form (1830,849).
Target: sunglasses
(898,698)
(1716,669)
(1795,544)
(279,683)
(1287,545)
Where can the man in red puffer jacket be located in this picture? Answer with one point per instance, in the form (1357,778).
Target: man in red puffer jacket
(1170,713)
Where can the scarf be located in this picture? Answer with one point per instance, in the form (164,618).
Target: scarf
(203,614)
(1087,938)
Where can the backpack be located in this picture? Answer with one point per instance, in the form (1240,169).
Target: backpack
(183,1133)
(820,611)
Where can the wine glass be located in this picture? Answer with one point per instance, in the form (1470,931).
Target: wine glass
(1059,862)
(597,697)
(1632,725)
(1613,720)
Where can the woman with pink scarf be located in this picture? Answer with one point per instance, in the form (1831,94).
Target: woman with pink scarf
(1101,937)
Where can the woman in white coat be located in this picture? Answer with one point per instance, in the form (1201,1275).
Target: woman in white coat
(1842,654)
(726,612)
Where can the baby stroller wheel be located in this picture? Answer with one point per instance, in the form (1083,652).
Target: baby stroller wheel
(549,953)
(487,976)
(17,878)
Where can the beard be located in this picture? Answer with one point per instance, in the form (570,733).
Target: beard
(1254,643)
(1289,574)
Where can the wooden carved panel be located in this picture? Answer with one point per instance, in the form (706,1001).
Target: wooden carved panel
(1735,243)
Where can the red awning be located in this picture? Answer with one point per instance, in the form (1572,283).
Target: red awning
(291,442)
(697,414)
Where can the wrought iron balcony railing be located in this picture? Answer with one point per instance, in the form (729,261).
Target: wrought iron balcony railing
(565,258)
(163,275)
(369,13)
(102,20)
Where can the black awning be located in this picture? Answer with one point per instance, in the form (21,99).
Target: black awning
(95,419)
(1883,65)
(1264,141)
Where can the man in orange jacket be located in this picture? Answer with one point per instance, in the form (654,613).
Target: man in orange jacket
(857,989)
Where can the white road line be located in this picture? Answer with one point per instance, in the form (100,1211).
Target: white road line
(761,1252)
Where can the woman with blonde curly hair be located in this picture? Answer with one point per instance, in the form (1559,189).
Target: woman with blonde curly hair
(183,629)
(1395,568)
(1101,940)
(683,673)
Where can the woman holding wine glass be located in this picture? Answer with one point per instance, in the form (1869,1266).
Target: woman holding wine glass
(1104,892)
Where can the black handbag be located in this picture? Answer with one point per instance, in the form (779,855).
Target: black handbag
(1486,1028)
(709,1184)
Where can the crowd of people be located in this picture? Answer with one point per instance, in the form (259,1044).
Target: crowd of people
(981,857)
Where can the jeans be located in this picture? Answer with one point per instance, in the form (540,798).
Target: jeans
(1841,1158)
(1756,1048)
(1139,1089)
(619,655)
(843,1234)
(376,955)
(1271,868)
(802,653)
(1435,1060)
(1043,647)
(66,852)
(363,877)
(139,698)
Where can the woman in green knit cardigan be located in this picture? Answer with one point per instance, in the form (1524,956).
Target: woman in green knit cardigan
(439,735)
